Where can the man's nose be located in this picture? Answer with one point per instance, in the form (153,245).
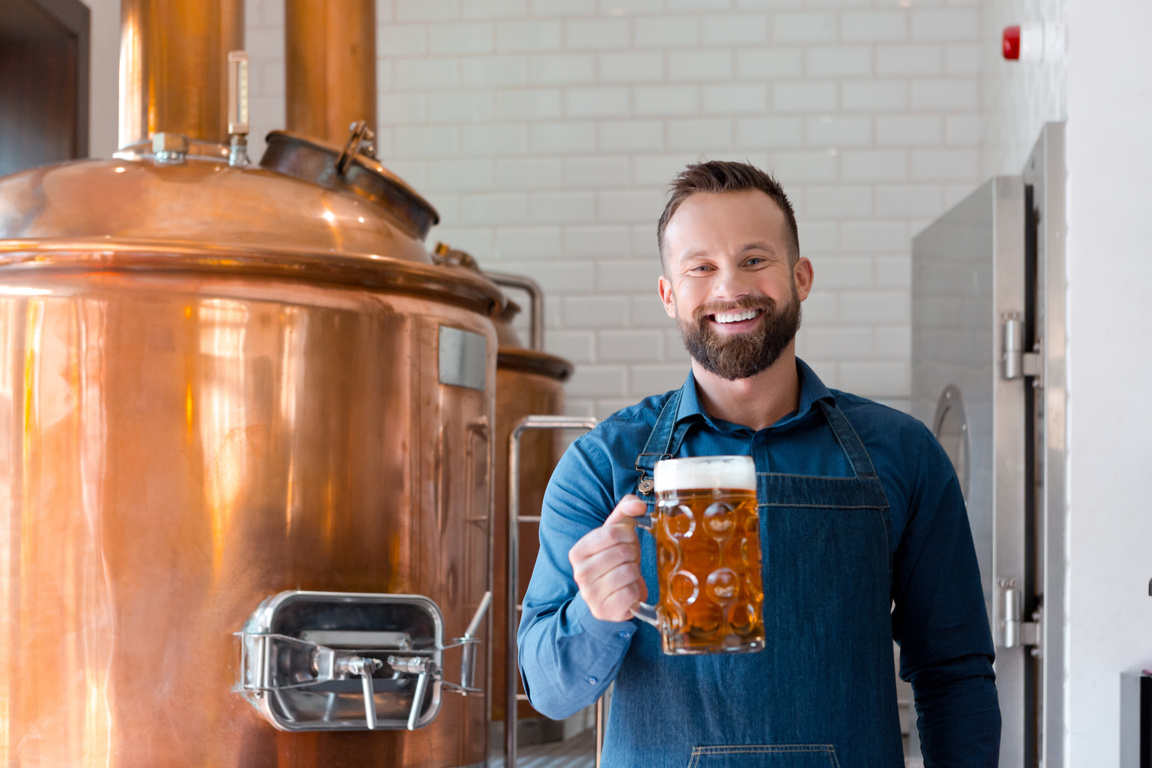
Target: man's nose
(731,284)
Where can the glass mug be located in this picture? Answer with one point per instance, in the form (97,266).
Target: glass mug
(707,529)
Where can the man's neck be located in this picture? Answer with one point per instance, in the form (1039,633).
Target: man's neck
(756,402)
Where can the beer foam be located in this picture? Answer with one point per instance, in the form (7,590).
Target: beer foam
(706,472)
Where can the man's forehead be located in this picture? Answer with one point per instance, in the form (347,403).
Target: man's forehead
(699,205)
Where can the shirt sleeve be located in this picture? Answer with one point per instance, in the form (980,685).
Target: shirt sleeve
(567,656)
(941,623)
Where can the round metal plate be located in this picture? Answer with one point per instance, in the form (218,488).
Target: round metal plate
(951,428)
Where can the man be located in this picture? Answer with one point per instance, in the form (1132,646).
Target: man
(863,529)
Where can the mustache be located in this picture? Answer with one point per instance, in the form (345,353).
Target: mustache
(747,302)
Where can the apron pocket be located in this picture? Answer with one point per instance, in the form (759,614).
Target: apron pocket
(765,756)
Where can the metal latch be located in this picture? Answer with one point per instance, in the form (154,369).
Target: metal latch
(1013,631)
(1016,361)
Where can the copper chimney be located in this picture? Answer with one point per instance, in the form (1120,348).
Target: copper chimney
(330,70)
(173,67)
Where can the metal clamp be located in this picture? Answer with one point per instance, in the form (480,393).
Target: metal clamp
(170,148)
(360,142)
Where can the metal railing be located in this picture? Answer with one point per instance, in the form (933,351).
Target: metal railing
(515,520)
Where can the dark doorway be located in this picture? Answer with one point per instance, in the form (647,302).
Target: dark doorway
(44,63)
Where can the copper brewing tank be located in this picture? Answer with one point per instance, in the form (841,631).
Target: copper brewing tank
(218,383)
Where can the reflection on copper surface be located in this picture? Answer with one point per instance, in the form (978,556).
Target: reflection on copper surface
(131,126)
(222,327)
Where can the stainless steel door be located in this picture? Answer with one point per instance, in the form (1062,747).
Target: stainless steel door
(987,377)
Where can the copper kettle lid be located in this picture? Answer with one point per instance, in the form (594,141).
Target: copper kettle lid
(186,193)
(183,207)
(353,170)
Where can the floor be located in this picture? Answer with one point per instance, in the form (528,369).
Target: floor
(577,752)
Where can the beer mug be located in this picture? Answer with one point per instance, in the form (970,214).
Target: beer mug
(707,529)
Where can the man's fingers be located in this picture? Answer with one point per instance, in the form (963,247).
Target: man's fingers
(597,564)
(606,563)
(600,539)
(612,597)
(629,507)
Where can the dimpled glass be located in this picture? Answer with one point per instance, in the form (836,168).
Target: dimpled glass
(708,562)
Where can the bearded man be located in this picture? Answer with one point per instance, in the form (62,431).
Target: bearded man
(863,532)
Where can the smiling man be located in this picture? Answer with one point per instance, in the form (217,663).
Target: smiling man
(863,532)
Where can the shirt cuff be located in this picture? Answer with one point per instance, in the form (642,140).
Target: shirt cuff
(613,634)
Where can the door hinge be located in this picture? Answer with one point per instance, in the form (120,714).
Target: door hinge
(1013,631)
(1017,362)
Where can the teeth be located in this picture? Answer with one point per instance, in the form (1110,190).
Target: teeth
(735,317)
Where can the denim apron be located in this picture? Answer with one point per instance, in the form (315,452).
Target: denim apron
(822,692)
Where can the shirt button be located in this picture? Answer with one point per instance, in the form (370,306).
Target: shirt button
(592,681)
(624,634)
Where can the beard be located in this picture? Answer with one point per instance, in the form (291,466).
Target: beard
(746,354)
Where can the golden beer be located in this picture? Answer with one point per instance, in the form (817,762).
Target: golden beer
(707,530)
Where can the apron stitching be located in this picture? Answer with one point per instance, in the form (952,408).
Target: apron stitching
(762,749)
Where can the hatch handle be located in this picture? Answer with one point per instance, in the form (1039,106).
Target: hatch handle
(364,667)
(424,668)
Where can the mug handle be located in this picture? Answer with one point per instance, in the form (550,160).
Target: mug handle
(641,610)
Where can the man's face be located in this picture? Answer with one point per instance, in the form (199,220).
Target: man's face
(729,282)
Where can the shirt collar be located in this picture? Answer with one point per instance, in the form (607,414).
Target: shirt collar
(812,390)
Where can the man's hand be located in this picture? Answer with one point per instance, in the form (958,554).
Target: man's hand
(606,563)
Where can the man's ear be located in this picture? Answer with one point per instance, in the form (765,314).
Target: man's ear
(803,275)
(667,297)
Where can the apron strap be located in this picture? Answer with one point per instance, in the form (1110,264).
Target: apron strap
(667,435)
(849,441)
(663,442)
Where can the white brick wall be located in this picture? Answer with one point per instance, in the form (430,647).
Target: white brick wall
(546,132)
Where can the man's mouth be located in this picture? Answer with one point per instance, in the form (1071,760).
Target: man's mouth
(736,317)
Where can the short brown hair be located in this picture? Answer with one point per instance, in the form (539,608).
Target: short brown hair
(726,176)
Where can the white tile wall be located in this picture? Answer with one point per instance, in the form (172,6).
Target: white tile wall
(1017,97)
(546,132)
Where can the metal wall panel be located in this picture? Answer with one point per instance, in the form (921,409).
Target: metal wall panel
(967,275)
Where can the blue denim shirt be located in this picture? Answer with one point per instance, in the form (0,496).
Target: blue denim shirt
(568,657)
